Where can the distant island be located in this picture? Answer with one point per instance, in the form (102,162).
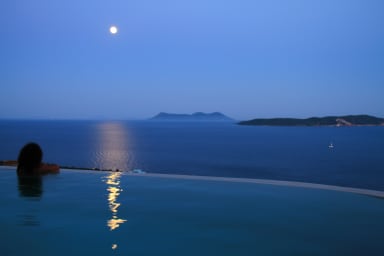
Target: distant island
(198,116)
(350,120)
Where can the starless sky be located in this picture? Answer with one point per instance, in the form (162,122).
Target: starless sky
(245,58)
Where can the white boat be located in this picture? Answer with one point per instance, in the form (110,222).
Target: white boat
(330,146)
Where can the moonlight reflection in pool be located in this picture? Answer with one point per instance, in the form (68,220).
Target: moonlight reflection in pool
(113,182)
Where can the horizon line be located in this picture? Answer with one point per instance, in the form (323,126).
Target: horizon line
(183,113)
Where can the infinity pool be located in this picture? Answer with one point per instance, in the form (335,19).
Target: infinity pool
(101,213)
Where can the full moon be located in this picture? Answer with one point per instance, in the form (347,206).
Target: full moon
(113,30)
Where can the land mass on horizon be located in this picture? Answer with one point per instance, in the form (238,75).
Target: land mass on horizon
(197,116)
(349,120)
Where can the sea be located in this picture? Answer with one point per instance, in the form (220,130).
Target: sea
(224,149)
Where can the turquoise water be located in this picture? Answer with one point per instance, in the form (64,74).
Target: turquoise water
(79,212)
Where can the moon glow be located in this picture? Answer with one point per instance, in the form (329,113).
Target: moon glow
(113,30)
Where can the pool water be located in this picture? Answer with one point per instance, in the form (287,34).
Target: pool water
(108,213)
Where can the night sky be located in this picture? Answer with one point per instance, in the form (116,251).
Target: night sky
(245,58)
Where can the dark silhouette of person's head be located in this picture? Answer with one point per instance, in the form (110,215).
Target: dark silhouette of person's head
(29,180)
(29,159)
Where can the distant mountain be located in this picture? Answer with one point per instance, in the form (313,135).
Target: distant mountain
(351,120)
(198,116)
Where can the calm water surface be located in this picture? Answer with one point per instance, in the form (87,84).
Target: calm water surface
(109,213)
(215,149)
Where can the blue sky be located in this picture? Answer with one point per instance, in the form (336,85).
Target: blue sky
(245,58)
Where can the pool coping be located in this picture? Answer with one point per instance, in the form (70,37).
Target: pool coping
(361,191)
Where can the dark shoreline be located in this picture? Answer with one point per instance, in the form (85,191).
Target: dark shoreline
(13,163)
(337,121)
